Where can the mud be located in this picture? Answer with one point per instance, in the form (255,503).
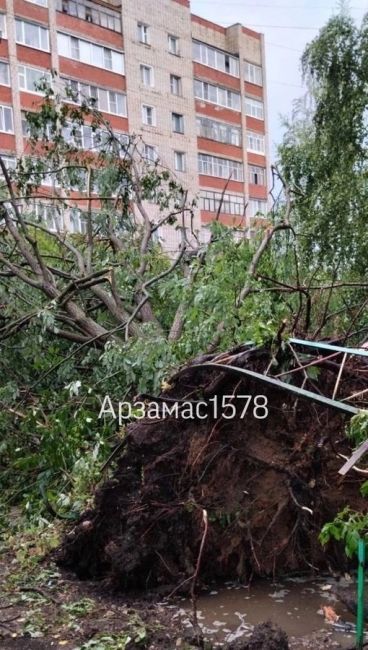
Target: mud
(228,614)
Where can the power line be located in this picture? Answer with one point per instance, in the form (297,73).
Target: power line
(284,47)
(283,26)
(284,83)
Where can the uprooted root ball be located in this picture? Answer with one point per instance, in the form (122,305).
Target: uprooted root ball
(267,486)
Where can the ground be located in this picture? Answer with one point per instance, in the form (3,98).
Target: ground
(268,488)
(43,608)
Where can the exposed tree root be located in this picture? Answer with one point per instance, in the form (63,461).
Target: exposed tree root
(267,486)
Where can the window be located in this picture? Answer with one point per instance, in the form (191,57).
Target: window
(143,33)
(253,73)
(32,35)
(4,74)
(51,179)
(173,43)
(83,137)
(30,78)
(108,101)
(254,108)
(116,102)
(179,158)
(177,122)
(3,25)
(215,58)
(49,216)
(147,77)
(74,48)
(89,11)
(42,3)
(257,175)
(255,142)
(217,95)
(150,153)
(219,131)
(86,52)
(257,208)
(78,223)
(221,167)
(175,85)
(148,115)
(6,119)
(226,203)
(10,163)
(26,128)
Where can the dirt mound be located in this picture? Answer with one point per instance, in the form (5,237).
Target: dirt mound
(266,485)
(265,636)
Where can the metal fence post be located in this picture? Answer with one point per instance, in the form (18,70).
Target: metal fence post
(360,604)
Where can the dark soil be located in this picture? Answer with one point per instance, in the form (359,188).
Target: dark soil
(267,486)
(266,636)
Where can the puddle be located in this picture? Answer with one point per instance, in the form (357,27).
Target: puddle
(230,612)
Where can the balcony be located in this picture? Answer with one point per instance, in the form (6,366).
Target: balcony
(91,12)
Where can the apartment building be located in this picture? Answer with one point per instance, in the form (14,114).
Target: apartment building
(194,90)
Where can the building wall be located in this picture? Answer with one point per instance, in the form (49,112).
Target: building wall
(162,17)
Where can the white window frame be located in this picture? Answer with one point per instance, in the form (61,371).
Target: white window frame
(148,121)
(218,93)
(23,24)
(257,175)
(256,142)
(81,94)
(41,208)
(41,3)
(173,44)
(180,161)
(176,82)
(253,73)
(4,108)
(9,161)
(177,119)
(218,131)
(220,167)
(256,208)
(76,217)
(25,126)
(3,25)
(143,31)
(7,68)
(217,59)
(147,75)
(150,153)
(254,108)
(84,51)
(91,12)
(26,68)
(211,201)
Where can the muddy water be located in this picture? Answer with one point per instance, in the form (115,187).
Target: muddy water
(230,612)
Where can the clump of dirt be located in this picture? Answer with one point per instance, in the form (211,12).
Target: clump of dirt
(265,636)
(266,485)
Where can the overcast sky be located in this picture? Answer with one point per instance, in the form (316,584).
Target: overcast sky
(288,26)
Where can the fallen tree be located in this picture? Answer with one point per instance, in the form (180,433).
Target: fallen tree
(217,498)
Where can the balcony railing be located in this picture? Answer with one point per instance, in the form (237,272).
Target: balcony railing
(91,12)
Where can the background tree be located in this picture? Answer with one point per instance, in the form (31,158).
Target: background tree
(324,152)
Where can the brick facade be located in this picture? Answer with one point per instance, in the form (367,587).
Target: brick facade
(208,148)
